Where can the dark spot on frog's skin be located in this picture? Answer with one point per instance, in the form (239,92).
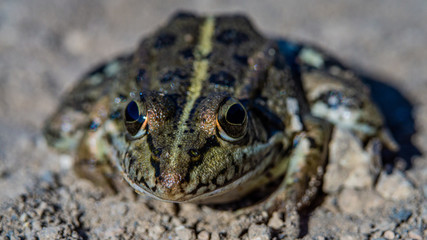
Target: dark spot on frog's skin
(109,138)
(208,56)
(279,63)
(132,161)
(200,185)
(140,77)
(193,153)
(122,98)
(187,53)
(231,36)
(193,110)
(210,143)
(164,40)
(170,76)
(313,143)
(156,166)
(116,114)
(241,59)
(94,125)
(269,175)
(156,151)
(236,169)
(222,78)
(183,15)
(222,172)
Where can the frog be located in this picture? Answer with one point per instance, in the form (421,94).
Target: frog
(208,110)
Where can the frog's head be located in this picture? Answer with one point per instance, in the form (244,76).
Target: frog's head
(184,151)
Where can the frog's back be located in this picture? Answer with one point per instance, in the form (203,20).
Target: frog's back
(173,61)
(170,59)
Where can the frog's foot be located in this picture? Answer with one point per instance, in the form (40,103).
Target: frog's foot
(93,162)
(337,94)
(99,173)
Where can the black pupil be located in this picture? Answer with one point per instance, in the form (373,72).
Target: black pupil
(236,114)
(132,112)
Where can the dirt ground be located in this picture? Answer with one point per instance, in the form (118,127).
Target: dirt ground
(46,45)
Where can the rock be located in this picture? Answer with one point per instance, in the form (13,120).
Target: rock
(401,215)
(357,201)
(215,236)
(203,235)
(414,234)
(185,233)
(349,237)
(76,42)
(50,233)
(275,221)
(259,232)
(394,186)
(155,232)
(389,234)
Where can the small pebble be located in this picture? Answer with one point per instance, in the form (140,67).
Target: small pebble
(389,234)
(50,232)
(413,234)
(349,237)
(203,235)
(76,42)
(394,186)
(401,215)
(259,232)
(215,236)
(275,221)
(185,233)
(23,217)
(155,232)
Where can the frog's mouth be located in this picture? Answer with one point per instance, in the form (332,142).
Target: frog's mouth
(221,194)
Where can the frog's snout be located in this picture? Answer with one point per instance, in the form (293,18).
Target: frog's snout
(171,180)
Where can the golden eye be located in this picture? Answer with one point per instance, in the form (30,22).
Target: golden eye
(232,120)
(135,119)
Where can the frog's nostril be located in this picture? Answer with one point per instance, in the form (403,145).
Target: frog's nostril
(170,180)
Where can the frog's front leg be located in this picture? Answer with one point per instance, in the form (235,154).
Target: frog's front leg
(305,167)
(95,154)
(304,170)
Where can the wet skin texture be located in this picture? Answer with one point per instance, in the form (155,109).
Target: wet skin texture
(208,110)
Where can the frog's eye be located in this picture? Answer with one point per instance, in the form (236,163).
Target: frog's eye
(135,119)
(232,120)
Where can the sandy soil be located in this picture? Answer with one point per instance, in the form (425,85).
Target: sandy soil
(46,45)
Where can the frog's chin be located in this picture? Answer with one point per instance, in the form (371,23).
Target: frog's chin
(170,188)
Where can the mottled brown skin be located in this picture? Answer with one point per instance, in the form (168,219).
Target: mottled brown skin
(182,82)
(231,74)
